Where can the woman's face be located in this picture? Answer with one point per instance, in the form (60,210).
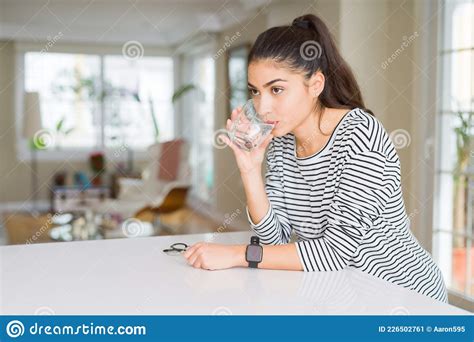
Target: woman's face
(281,95)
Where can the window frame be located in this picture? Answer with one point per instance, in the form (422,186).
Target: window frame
(76,154)
(455,297)
(204,46)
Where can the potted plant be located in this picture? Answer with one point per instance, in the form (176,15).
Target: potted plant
(462,198)
(464,141)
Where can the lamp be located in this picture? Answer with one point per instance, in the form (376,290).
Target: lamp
(31,127)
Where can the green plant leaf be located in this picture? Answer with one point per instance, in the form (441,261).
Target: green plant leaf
(68,131)
(136,96)
(153,118)
(59,125)
(181,91)
(464,138)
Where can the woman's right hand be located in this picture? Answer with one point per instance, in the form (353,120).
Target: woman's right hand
(246,161)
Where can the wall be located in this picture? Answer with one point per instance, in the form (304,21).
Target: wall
(371,31)
(400,91)
(229,193)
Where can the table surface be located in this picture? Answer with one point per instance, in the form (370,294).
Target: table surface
(134,276)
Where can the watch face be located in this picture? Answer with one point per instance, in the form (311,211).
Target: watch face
(254,253)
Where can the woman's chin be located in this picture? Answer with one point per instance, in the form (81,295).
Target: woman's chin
(278,132)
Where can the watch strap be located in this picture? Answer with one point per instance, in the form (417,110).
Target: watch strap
(253,264)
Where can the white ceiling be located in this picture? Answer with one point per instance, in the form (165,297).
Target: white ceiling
(156,22)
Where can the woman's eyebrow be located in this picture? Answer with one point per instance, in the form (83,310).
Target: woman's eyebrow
(268,83)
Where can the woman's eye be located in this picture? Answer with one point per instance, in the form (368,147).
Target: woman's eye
(276,90)
(253,92)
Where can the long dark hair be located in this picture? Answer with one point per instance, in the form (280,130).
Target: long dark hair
(307,46)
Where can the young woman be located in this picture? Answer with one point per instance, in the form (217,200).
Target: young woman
(333,175)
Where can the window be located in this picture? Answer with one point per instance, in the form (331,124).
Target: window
(67,85)
(454,221)
(136,90)
(102,101)
(199,122)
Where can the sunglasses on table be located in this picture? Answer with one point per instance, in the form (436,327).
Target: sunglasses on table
(176,248)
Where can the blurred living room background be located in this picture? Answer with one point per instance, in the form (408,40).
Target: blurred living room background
(110,112)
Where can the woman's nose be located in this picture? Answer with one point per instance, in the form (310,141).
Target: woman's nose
(264,108)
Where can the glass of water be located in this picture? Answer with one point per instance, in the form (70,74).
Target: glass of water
(249,129)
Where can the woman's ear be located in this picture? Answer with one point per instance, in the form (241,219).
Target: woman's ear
(316,84)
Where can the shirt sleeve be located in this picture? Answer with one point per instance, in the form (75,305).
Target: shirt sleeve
(364,186)
(275,227)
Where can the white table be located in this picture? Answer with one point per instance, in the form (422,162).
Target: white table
(134,276)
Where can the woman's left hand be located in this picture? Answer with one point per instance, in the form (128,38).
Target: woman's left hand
(213,256)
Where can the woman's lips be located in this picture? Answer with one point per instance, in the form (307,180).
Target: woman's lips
(273,122)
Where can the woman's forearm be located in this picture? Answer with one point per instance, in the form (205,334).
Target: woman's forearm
(257,200)
(275,257)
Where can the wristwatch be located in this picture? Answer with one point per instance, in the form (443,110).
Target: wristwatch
(254,252)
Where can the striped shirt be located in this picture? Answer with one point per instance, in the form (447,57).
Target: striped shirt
(345,206)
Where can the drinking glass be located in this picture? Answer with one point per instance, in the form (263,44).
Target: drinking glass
(249,129)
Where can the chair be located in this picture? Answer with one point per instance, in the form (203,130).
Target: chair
(163,187)
(24,228)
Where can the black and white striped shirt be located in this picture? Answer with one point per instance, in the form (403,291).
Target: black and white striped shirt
(345,206)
